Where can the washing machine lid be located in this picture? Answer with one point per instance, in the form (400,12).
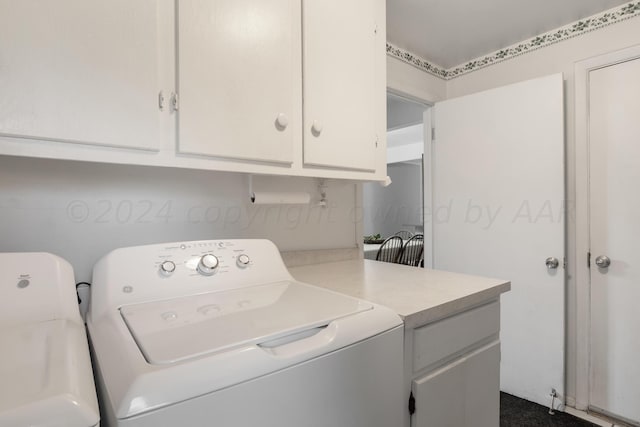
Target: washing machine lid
(46,376)
(174,330)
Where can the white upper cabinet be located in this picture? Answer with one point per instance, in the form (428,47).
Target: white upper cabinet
(341,43)
(282,87)
(239,78)
(244,68)
(80,71)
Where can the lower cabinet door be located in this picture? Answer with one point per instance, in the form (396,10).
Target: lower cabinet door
(465,392)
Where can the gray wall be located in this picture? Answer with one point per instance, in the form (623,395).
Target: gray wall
(402,112)
(387,210)
(80,211)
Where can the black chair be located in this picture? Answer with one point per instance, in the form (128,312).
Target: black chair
(390,250)
(412,251)
(404,234)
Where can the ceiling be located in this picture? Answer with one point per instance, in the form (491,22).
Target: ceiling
(451,32)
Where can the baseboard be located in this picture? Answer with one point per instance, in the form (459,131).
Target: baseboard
(588,417)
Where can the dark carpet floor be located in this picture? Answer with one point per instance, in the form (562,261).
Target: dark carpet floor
(516,412)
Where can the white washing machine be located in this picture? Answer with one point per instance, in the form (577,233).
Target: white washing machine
(218,333)
(45,369)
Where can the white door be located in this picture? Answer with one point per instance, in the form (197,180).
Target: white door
(341,90)
(81,71)
(498,191)
(239,78)
(614,134)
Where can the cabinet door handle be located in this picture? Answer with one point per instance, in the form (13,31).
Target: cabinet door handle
(316,128)
(282,121)
(161,101)
(175,102)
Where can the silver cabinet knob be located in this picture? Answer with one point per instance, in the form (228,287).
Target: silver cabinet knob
(603,261)
(208,264)
(552,263)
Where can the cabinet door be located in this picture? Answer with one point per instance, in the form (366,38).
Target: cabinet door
(82,71)
(239,78)
(340,44)
(463,393)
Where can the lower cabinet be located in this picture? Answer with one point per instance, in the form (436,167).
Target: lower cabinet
(453,371)
(463,393)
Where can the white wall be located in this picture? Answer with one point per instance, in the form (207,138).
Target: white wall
(560,57)
(388,210)
(407,80)
(80,211)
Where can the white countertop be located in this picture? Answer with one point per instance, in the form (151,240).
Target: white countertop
(418,295)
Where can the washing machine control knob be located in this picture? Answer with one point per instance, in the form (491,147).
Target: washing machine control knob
(208,264)
(167,268)
(243,260)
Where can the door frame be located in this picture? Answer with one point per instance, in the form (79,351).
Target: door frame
(583,277)
(427,166)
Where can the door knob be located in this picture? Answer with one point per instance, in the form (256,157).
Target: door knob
(552,263)
(603,261)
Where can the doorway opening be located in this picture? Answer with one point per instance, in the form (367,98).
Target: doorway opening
(398,208)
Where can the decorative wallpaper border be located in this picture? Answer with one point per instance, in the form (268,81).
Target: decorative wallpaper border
(421,64)
(594,22)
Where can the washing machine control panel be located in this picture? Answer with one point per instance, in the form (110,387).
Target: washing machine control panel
(204,258)
(142,273)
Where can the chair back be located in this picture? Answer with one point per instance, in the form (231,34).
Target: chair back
(404,234)
(390,250)
(412,251)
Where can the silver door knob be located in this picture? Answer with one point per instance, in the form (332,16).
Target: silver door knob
(603,261)
(552,263)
